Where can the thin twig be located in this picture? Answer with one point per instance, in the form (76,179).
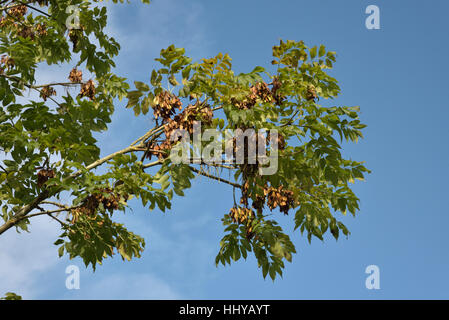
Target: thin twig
(152,164)
(66,84)
(214,177)
(30,87)
(6,171)
(49,213)
(32,8)
(60,205)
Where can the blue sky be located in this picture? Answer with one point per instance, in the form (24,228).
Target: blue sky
(398,75)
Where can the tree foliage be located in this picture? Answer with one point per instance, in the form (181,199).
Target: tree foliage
(48,145)
(11,296)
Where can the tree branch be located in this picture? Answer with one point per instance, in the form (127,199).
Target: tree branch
(148,134)
(137,145)
(49,213)
(60,205)
(20,215)
(214,177)
(152,164)
(30,87)
(66,84)
(33,8)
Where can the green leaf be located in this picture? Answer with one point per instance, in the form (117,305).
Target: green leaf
(312,52)
(60,250)
(11,296)
(141,86)
(322,51)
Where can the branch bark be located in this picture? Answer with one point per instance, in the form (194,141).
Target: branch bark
(214,177)
(44,195)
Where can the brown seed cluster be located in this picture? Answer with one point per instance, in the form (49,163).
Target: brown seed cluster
(245,217)
(260,91)
(22,29)
(26,32)
(273,197)
(47,92)
(76,75)
(90,205)
(41,29)
(277,96)
(18,11)
(88,90)
(279,197)
(251,143)
(6,62)
(3,21)
(16,20)
(74,36)
(185,120)
(241,215)
(181,121)
(166,104)
(43,175)
(32,31)
(159,150)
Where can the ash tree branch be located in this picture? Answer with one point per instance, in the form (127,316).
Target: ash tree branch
(29,86)
(49,213)
(35,9)
(23,213)
(214,177)
(65,84)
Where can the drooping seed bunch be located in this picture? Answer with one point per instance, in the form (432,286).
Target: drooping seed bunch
(76,75)
(241,215)
(47,92)
(279,197)
(159,150)
(276,86)
(15,18)
(273,197)
(260,91)
(41,29)
(23,30)
(6,62)
(92,202)
(18,11)
(74,36)
(248,146)
(182,121)
(43,175)
(245,217)
(165,106)
(88,90)
(26,32)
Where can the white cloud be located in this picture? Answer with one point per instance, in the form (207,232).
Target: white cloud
(28,259)
(26,256)
(155,27)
